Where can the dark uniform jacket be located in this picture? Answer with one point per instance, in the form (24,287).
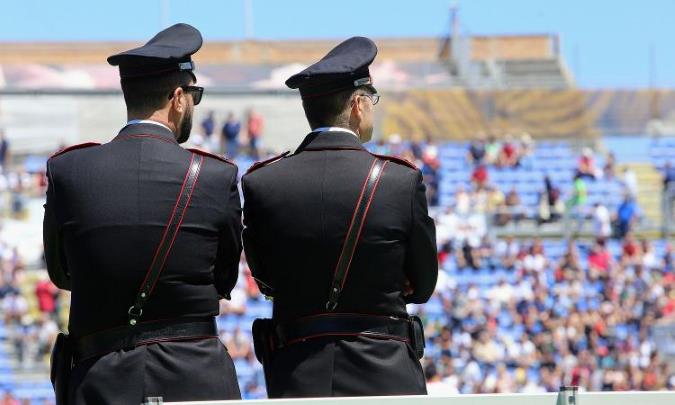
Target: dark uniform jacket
(297,211)
(107,207)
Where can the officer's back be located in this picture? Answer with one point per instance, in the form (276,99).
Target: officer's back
(296,249)
(146,235)
(114,201)
(333,335)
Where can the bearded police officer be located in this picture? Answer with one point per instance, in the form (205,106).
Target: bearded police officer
(341,239)
(146,236)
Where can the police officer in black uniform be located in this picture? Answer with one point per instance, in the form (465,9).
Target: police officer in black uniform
(340,326)
(146,236)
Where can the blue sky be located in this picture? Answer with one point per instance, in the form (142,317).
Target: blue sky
(605,43)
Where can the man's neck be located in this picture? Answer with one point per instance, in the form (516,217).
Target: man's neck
(336,128)
(157,117)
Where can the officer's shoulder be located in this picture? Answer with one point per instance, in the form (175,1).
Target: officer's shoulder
(266,162)
(212,156)
(74,147)
(398,160)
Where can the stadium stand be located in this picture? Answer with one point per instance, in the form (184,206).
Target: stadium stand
(522,314)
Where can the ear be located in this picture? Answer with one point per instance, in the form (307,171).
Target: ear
(357,107)
(178,101)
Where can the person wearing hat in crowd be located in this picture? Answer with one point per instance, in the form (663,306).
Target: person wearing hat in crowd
(146,236)
(341,239)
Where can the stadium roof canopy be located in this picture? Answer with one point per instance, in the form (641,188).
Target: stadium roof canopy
(265,65)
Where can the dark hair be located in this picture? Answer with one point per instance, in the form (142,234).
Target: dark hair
(326,110)
(151,93)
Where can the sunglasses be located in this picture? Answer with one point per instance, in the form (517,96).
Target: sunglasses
(196,92)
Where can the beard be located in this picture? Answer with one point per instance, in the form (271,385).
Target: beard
(185,127)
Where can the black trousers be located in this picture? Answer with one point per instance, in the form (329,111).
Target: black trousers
(176,371)
(356,366)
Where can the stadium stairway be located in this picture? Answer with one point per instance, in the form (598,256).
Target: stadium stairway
(649,190)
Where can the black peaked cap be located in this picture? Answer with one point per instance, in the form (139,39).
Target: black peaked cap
(344,67)
(169,50)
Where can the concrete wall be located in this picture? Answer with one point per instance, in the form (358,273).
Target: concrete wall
(41,123)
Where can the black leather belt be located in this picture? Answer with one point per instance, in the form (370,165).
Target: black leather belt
(331,324)
(128,337)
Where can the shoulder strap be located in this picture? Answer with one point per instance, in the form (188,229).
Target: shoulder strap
(170,232)
(354,232)
(262,163)
(74,147)
(209,154)
(404,162)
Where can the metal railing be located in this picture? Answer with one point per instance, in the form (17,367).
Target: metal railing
(568,397)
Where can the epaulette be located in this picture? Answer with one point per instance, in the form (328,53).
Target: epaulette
(209,154)
(404,162)
(258,165)
(73,147)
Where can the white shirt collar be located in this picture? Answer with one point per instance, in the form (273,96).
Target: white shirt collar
(335,129)
(136,122)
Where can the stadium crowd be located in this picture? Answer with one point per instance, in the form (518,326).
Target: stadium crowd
(508,315)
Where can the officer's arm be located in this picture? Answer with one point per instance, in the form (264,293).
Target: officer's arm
(254,254)
(229,243)
(421,265)
(53,241)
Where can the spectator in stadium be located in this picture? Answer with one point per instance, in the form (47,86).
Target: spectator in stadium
(208,125)
(462,201)
(668,175)
(602,221)
(492,150)
(507,251)
(512,209)
(631,251)
(45,335)
(526,150)
(479,199)
(479,177)
(551,207)
(569,268)
(14,307)
(6,287)
(535,260)
(230,134)
(447,223)
(237,343)
(649,259)
(476,153)
(576,204)
(599,260)
(468,256)
(4,151)
(586,165)
(430,171)
(626,216)
(254,129)
(669,187)
(609,170)
(502,294)
(579,192)
(668,259)
(630,182)
(8,398)
(47,294)
(495,199)
(509,154)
